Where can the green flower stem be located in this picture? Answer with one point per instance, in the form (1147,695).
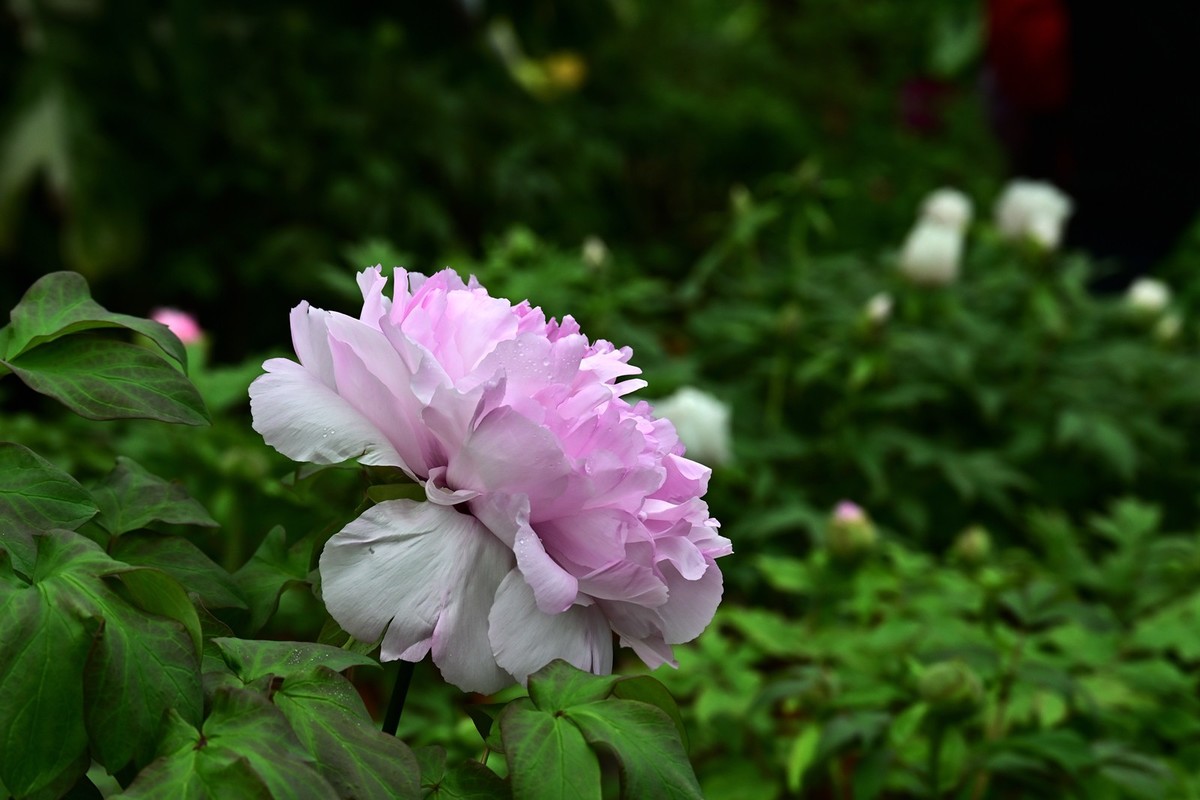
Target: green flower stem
(391,720)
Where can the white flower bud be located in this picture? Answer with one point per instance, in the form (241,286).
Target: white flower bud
(702,422)
(594,252)
(931,253)
(1148,296)
(1033,210)
(878,309)
(949,207)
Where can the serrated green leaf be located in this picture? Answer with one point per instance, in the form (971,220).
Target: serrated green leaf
(107,379)
(645,744)
(60,303)
(184,562)
(36,496)
(559,685)
(469,780)
(272,568)
(548,758)
(246,749)
(358,759)
(130,498)
(253,659)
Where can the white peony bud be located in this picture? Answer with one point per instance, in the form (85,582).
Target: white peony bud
(931,253)
(878,309)
(949,207)
(594,252)
(1033,210)
(702,422)
(1148,296)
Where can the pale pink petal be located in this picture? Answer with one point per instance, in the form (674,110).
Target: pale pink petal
(373,379)
(424,577)
(507,516)
(304,419)
(524,639)
(375,306)
(310,340)
(692,604)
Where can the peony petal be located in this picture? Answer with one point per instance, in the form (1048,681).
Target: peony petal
(424,577)
(310,341)
(375,306)
(501,439)
(301,417)
(372,378)
(525,639)
(507,516)
(692,603)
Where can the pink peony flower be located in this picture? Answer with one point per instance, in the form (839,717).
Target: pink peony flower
(556,512)
(181,323)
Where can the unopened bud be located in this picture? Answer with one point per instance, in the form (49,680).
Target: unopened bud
(952,690)
(973,546)
(851,536)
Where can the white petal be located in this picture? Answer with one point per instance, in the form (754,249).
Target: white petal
(425,574)
(304,419)
(525,639)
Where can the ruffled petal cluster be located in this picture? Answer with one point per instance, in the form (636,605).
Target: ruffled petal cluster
(556,514)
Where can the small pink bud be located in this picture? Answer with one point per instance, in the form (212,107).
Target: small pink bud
(181,323)
(847,512)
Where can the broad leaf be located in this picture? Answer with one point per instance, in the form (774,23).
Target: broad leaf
(272,568)
(645,744)
(251,659)
(184,562)
(159,593)
(358,759)
(60,303)
(107,379)
(469,780)
(245,749)
(130,498)
(76,658)
(558,685)
(548,758)
(142,665)
(36,496)
(43,647)
(646,689)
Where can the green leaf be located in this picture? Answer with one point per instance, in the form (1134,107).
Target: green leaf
(645,744)
(358,759)
(646,689)
(272,568)
(559,685)
(245,750)
(130,498)
(184,562)
(141,666)
(36,496)
(548,758)
(60,303)
(801,756)
(43,647)
(470,780)
(159,593)
(107,379)
(251,659)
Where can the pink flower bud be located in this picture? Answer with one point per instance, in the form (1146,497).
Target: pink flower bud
(181,323)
